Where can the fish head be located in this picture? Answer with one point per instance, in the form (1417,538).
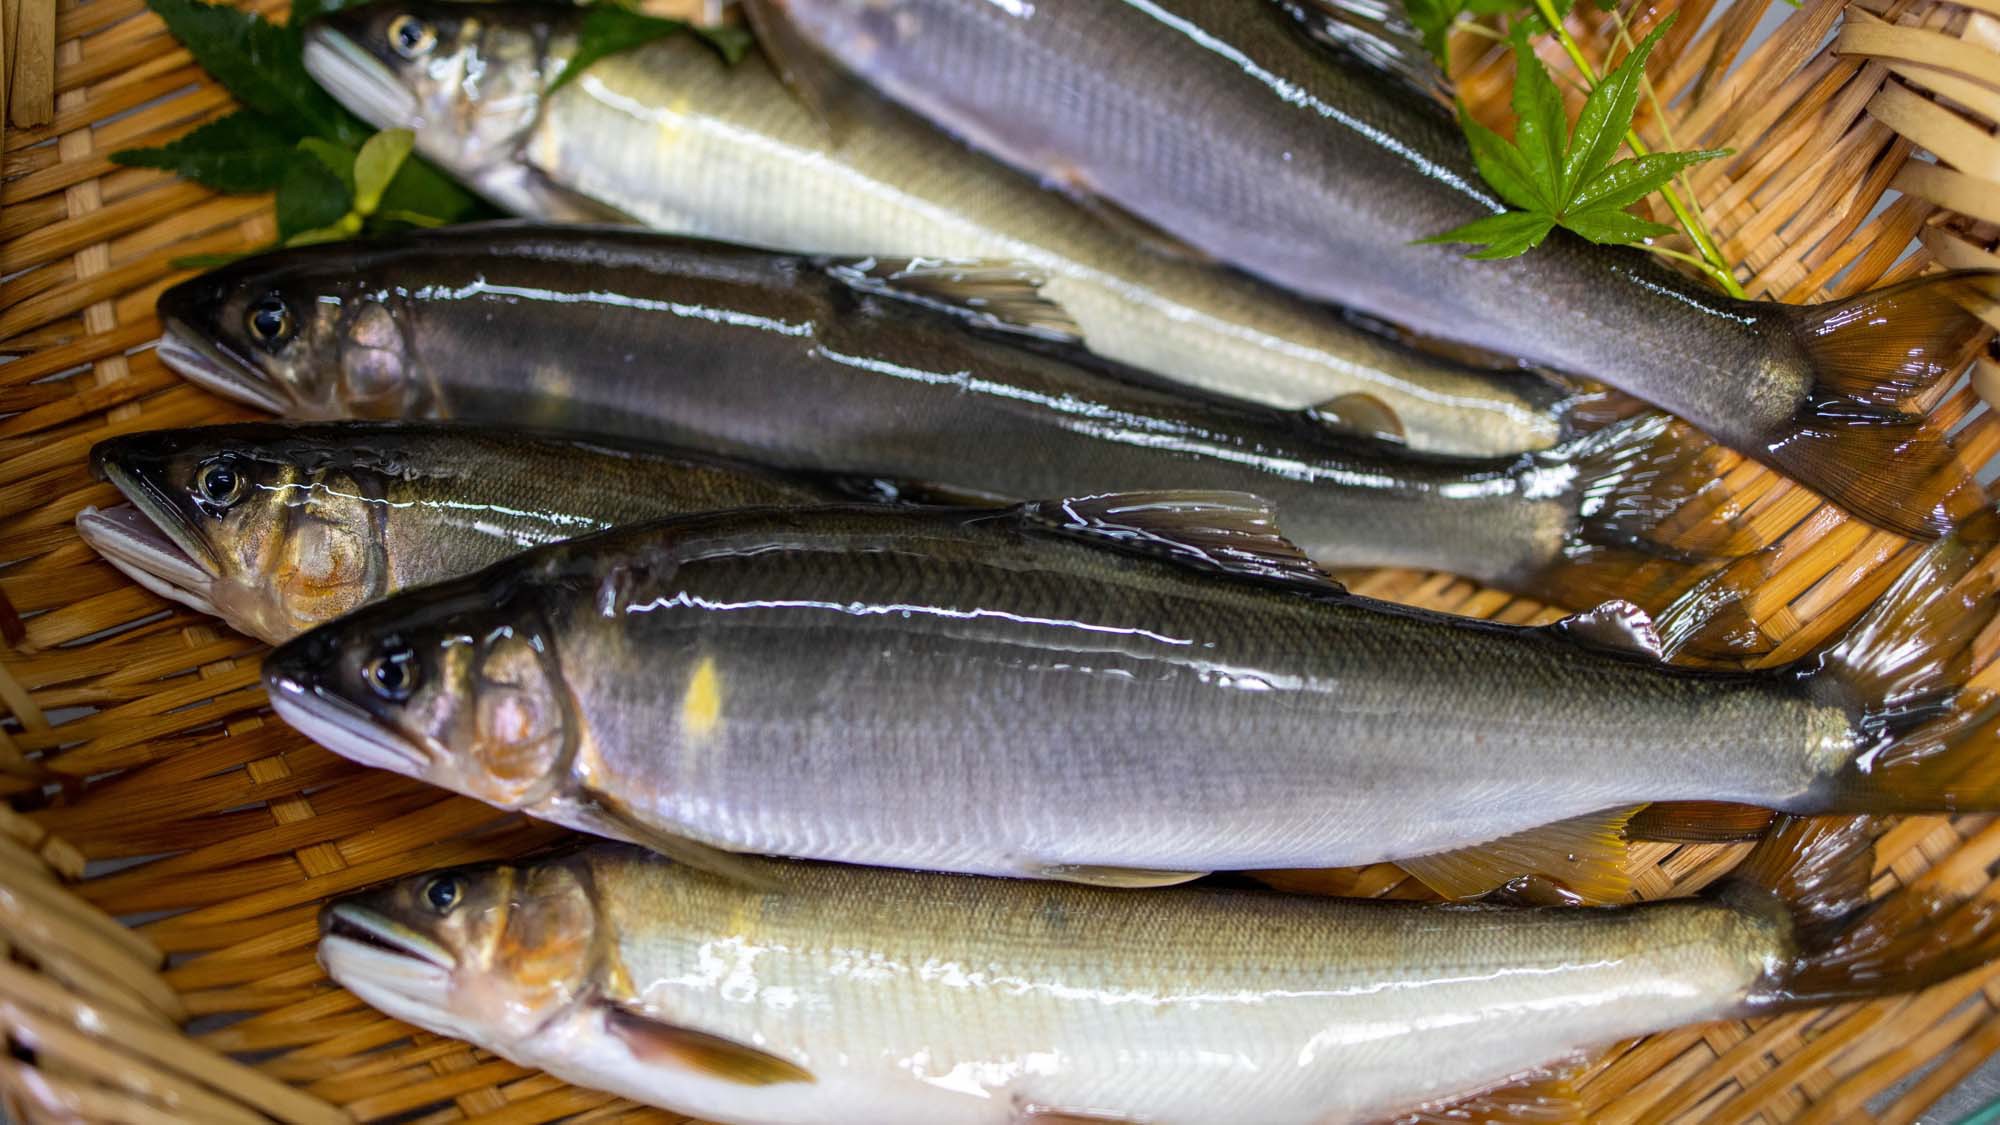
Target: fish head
(300,332)
(258,524)
(466,79)
(490,953)
(458,684)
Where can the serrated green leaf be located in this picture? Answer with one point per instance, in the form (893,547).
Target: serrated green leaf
(243,152)
(310,197)
(419,189)
(1635,178)
(377,164)
(607,29)
(1503,167)
(1433,20)
(1505,235)
(1607,114)
(258,62)
(1540,125)
(338,159)
(1613,226)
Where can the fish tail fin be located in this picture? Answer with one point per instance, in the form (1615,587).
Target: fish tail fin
(1926,741)
(1812,874)
(1859,437)
(1654,514)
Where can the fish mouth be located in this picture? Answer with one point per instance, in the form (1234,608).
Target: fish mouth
(389,966)
(150,552)
(359,80)
(360,926)
(195,359)
(338,725)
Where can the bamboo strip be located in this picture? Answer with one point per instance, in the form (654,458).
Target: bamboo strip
(31,100)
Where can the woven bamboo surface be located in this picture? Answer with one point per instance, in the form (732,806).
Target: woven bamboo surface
(135,729)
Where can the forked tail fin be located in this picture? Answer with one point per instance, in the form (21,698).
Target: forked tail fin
(1814,873)
(1859,438)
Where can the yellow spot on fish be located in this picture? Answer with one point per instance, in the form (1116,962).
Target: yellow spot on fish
(701,707)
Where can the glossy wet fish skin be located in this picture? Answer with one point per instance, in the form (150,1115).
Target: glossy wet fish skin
(689,343)
(907,996)
(672,137)
(944,691)
(332,516)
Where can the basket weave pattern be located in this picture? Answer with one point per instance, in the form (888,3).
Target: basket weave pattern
(135,729)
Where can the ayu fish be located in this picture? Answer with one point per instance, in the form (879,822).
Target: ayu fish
(997,693)
(671,136)
(1222,123)
(277,528)
(829,995)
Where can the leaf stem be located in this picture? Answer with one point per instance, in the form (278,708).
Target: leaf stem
(1711,256)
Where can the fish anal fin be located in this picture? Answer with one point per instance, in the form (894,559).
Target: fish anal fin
(1617,627)
(1361,413)
(820,83)
(1698,822)
(658,1042)
(1232,532)
(1002,295)
(1584,855)
(1545,1096)
(1130,878)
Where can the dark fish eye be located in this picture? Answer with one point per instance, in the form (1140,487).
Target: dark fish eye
(219,484)
(411,37)
(393,673)
(442,893)
(270,320)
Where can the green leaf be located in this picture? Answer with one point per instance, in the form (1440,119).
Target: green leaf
(1607,114)
(1635,178)
(408,218)
(243,152)
(1503,166)
(338,159)
(607,29)
(1613,226)
(419,189)
(309,197)
(377,164)
(1540,125)
(1506,235)
(258,61)
(1433,19)
(735,42)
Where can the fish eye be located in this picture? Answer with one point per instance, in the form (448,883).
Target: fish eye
(393,673)
(219,484)
(270,320)
(411,37)
(442,893)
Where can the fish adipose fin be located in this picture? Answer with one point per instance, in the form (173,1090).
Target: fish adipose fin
(1813,873)
(1584,856)
(1001,295)
(1858,438)
(1232,532)
(660,1043)
(1698,822)
(1543,1096)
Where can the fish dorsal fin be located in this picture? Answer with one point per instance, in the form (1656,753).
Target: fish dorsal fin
(1616,627)
(827,90)
(1376,34)
(1130,878)
(1002,295)
(660,1043)
(1584,855)
(1698,822)
(1360,413)
(1232,532)
(1545,1096)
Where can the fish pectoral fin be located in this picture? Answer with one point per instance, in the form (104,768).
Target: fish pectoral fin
(1031,1113)
(1133,878)
(1149,236)
(1616,627)
(1584,856)
(1544,1096)
(1232,532)
(820,83)
(993,294)
(526,189)
(1698,822)
(1362,414)
(605,816)
(655,1041)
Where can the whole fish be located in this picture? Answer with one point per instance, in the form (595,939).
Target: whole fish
(277,528)
(672,136)
(793,362)
(997,693)
(1325,173)
(831,995)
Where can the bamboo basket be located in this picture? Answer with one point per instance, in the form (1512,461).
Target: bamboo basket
(166,842)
